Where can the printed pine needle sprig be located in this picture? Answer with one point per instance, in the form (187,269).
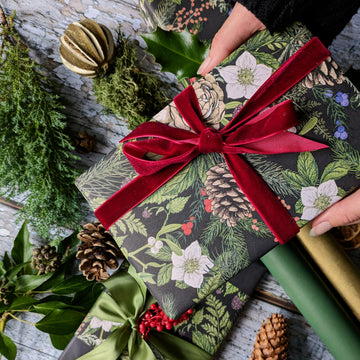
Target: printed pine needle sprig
(36,159)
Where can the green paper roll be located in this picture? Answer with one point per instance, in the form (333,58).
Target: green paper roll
(314,300)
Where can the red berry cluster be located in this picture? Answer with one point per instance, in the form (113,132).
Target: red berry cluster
(187,227)
(156,318)
(190,17)
(207,202)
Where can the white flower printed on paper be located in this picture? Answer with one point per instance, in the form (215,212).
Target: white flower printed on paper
(316,200)
(156,245)
(191,266)
(245,77)
(96,323)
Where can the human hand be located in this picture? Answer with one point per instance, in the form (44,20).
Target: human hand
(344,212)
(239,27)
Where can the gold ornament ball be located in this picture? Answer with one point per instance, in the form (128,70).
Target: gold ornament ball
(87,48)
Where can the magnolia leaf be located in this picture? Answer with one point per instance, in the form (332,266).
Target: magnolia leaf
(60,322)
(49,306)
(7,347)
(22,248)
(178,52)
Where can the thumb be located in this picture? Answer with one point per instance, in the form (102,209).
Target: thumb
(344,212)
(239,27)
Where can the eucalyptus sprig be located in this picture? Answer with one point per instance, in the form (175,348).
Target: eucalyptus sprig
(36,157)
(63,300)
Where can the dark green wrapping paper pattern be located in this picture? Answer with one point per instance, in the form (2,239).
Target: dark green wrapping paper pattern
(200,216)
(207,327)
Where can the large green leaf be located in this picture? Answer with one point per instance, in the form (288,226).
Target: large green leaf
(25,283)
(60,341)
(60,322)
(334,171)
(71,285)
(178,52)
(7,347)
(23,303)
(22,248)
(47,307)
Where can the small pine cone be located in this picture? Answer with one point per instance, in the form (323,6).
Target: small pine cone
(349,236)
(271,340)
(46,259)
(228,202)
(327,73)
(97,251)
(84,143)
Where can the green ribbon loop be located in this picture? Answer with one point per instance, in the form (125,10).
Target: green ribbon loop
(128,301)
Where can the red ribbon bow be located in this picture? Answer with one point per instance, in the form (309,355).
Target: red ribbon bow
(248,132)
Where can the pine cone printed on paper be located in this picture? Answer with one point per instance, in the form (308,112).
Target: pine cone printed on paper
(97,251)
(271,341)
(228,202)
(349,236)
(327,73)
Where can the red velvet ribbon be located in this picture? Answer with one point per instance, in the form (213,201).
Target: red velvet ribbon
(248,132)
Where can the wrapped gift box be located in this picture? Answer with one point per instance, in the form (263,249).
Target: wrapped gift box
(199,17)
(199,229)
(194,336)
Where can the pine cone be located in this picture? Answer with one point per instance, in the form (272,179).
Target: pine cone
(84,143)
(271,340)
(327,73)
(97,251)
(349,236)
(228,202)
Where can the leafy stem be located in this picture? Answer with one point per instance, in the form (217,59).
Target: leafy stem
(16,318)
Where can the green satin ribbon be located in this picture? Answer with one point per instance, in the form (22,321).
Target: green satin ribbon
(128,302)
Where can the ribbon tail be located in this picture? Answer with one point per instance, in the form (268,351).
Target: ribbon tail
(276,217)
(139,349)
(111,348)
(133,193)
(175,348)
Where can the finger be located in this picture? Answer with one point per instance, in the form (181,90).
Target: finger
(344,212)
(239,27)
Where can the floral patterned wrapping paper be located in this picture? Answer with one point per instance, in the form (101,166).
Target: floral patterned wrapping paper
(199,229)
(201,18)
(207,327)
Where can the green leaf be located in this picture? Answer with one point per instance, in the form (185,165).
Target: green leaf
(177,205)
(308,168)
(22,248)
(25,283)
(334,171)
(164,274)
(7,347)
(23,303)
(174,247)
(60,322)
(7,261)
(309,125)
(13,271)
(299,207)
(47,307)
(198,316)
(71,285)
(60,341)
(168,229)
(230,289)
(266,59)
(294,179)
(2,269)
(178,52)
(181,285)
(147,277)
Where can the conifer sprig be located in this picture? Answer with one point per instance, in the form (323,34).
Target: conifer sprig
(36,158)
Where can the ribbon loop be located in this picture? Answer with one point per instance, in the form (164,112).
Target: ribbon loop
(210,141)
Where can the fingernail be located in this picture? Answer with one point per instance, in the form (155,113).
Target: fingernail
(320,229)
(204,65)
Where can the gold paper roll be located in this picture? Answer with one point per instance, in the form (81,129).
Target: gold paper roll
(335,264)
